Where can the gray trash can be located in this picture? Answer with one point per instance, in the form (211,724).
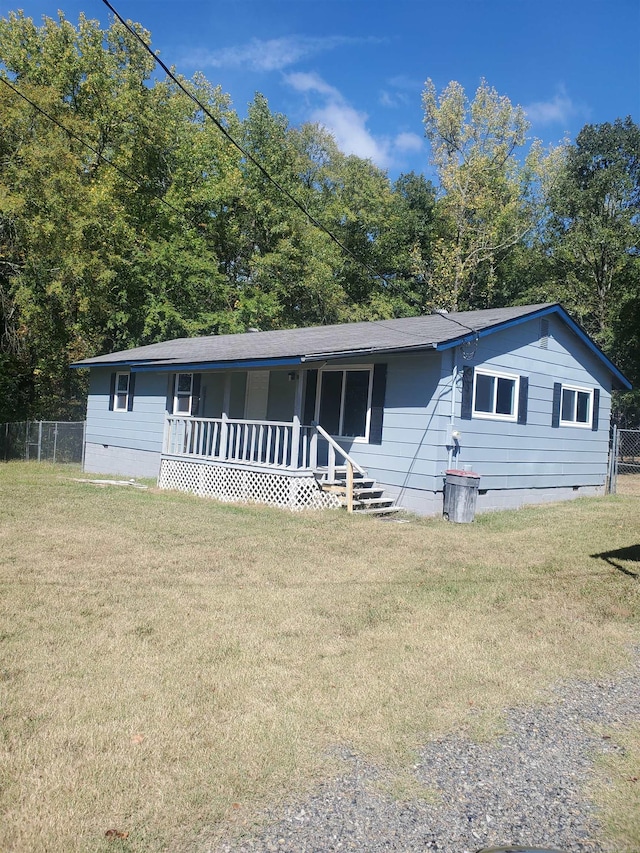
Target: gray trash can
(460,495)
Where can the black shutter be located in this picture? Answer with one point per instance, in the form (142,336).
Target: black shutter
(466,408)
(195,394)
(523,400)
(555,411)
(596,409)
(377,403)
(170,389)
(112,391)
(309,407)
(132,388)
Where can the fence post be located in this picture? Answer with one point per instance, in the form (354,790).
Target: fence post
(26,443)
(39,439)
(55,441)
(616,455)
(610,485)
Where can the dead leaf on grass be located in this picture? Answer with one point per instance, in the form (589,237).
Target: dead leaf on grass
(115,833)
(137,738)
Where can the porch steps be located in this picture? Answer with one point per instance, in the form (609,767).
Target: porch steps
(368,496)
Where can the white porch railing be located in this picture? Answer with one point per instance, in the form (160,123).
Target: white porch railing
(270,444)
(350,464)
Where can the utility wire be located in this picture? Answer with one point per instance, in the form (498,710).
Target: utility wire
(243,151)
(256,163)
(89,146)
(227,135)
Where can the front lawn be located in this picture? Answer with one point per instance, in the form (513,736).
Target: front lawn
(169,663)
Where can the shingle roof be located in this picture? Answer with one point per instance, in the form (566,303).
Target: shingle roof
(320,341)
(315,343)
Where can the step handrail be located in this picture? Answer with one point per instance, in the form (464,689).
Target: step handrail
(336,447)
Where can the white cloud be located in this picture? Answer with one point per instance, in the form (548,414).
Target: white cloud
(348,125)
(409,142)
(393,99)
(558,110)
(266,55)
(400,91)
(311,82)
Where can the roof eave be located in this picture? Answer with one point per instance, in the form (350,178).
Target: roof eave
(620,382)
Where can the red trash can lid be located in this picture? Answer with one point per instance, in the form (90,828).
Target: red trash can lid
(458,473)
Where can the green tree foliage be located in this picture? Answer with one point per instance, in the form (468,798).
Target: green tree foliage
(127,217)
(486,198)
(95,261)
(593,230)
(592,241)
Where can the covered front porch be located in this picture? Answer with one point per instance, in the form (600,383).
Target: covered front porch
(284,445)
(254,436)
(274,462)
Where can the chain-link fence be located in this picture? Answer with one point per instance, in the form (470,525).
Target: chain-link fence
(624,455)
(42,441)
(629,451)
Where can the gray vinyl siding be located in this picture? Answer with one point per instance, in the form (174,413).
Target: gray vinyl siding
(140,429)
(414,427)
(535,455)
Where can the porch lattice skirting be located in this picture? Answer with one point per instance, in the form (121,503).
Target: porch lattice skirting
(245,485)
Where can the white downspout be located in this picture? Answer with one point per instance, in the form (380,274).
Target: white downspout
(452,415)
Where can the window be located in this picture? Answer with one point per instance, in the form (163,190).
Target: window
(576,406)
(495,395)
(186,393)
(121,393)
(344,402)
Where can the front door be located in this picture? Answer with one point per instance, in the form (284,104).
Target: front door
(257,395)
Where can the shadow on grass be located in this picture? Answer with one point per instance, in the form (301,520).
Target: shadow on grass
(628,555)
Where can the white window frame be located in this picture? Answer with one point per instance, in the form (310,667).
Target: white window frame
(496,374)
(117,393)
(364,368)
(182,395)
(582,390)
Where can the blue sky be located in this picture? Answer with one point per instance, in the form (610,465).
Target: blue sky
(359,66)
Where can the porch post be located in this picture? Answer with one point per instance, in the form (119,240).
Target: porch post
(165,434)
(297,413)
(224,428)
(313,450)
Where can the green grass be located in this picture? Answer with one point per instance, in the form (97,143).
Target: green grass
(169,664)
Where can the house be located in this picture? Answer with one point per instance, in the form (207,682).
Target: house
(520,395)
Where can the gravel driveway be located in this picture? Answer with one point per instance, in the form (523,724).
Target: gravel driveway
(528,787)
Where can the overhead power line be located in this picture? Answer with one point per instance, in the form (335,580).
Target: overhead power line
(247,154)
(226,134)
(256,163)
(88,145)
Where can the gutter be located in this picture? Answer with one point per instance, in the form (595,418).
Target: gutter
(330,356)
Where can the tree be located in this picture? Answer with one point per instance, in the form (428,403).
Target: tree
(93,258)
(486,196)
(593,230)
